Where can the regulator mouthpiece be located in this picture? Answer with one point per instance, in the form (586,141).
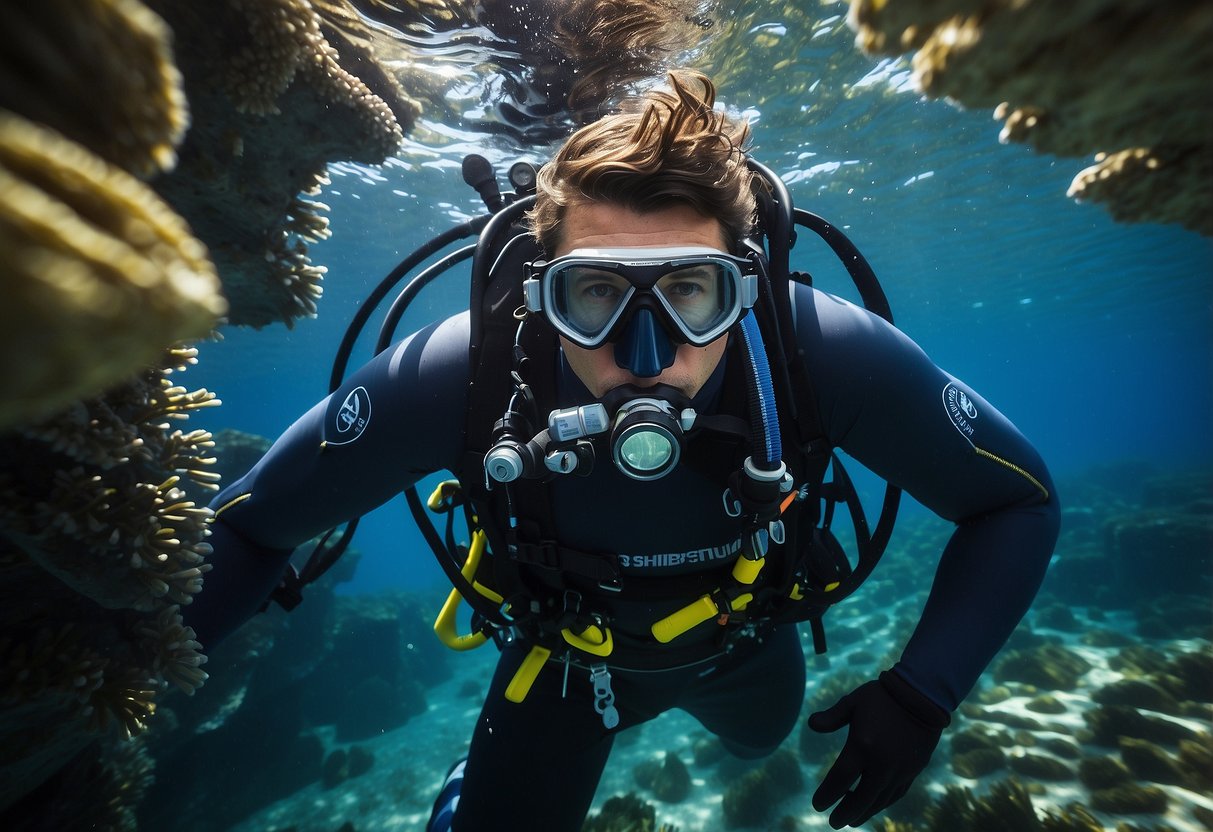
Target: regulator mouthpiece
(647,434)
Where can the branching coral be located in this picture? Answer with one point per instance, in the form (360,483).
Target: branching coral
(99,546)
(101,73)
(284,41)
(1125,78)
(98,275)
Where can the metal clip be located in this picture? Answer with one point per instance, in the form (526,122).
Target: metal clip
(604,697)
(732,506)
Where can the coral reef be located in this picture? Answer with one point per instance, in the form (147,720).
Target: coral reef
(667,778)
(99,547)
(272,105)
(751,799)
(100,72)
(1007,807)
(1108,723)
(1040,767)
(1126,80)
(1131,799)
(97,789)
(1051,667)
(99,274)
(99,540)
(626,813)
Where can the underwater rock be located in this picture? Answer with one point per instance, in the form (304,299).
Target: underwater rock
(1011,720)
(250,746)
(1139,660)
(1046,704)
(1050,667)
(1007,807)
(1098,773)
(627,813)
(342,765)
(1149,762)
(1040,767)
(1131,799)
(667,778)
(993,695)
(1061,747)
(976,738)
(707,751)
(336,769)
(841,635)
(978,762)
(1056,617)
(1174,617)
(1108,723)
(1189,675)
(1137,693)
(371,669)
(1106,638)
(751,799)
(1119,79)
(1196,757)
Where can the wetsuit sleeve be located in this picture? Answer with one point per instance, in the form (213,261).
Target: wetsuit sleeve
(396,419)
(884,402)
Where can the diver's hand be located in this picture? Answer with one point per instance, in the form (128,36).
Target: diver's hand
(893,731)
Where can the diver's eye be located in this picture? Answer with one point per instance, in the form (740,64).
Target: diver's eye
(600,291)
(685,289)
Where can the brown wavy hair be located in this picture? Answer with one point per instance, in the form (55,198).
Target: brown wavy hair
(669,147)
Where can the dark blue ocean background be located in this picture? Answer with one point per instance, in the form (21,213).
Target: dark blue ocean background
(1093,336)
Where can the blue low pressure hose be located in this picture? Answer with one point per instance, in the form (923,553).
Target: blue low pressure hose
(767,449)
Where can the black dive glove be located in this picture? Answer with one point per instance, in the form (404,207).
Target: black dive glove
(893,731)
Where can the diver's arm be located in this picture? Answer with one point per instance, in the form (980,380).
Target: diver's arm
(885,403)
(396,419)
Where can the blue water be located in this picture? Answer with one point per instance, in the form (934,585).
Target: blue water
(1094,337)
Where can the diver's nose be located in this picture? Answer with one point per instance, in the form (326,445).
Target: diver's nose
(644,348)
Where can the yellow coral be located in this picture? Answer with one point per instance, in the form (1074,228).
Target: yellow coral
(100,72)
(1126,77)
(285,40)
(98,275)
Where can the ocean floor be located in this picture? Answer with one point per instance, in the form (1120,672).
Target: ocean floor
(410,762)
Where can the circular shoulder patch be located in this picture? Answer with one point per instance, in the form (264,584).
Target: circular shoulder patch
(352,417)
(961,409)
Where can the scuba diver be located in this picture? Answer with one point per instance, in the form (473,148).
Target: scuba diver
(640,406)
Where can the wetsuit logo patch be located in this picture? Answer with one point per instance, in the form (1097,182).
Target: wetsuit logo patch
(352,417)
(961,410)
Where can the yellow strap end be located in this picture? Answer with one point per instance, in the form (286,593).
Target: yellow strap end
(520,685)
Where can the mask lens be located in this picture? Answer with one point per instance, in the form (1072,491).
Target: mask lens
(588,299)
(702,296)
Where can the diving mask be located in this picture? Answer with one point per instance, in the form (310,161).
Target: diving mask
(591,295)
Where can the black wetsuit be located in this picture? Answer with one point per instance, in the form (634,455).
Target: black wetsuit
(536,765)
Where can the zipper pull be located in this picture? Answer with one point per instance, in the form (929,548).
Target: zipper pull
(604,697)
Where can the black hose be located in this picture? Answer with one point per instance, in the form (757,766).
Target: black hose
(409,293)
(458,232)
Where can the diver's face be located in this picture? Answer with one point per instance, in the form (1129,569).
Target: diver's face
(604,225)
